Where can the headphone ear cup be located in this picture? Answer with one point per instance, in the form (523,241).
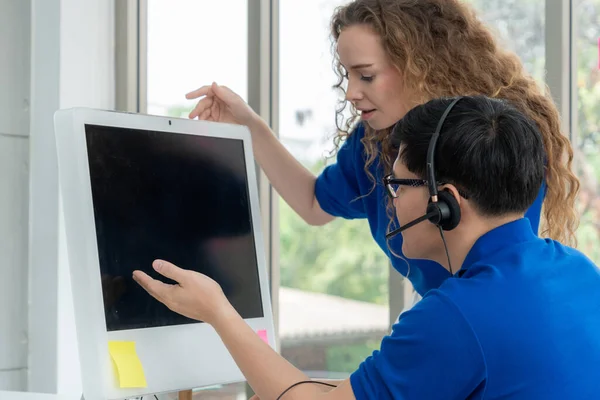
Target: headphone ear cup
(448,210)
(453,218)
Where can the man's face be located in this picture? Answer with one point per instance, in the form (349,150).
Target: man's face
(422,240)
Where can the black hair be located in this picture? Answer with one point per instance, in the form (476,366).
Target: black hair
(486,148)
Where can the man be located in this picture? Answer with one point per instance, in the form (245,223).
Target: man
(519,318)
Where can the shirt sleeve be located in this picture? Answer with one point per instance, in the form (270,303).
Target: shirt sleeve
(337,188)
(432,353)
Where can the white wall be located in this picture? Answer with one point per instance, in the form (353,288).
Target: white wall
(72,65)
(43,200)
(54,54)
(87,80)
(14,175)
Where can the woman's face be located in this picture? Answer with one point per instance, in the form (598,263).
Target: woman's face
(375,86)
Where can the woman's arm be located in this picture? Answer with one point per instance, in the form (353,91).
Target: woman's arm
(293,181)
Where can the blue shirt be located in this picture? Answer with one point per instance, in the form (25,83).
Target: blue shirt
(520,320)
(345,190)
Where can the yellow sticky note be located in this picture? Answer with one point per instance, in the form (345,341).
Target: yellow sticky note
(128,366)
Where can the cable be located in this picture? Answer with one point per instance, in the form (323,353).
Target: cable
(300,383)
(446,248)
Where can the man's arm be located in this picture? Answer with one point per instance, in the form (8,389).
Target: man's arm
(432,343)
(199,297)
(432,353)
(267,372)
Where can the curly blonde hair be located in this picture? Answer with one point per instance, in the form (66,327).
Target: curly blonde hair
(441,48)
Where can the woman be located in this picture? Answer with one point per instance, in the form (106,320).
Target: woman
(519,317)
(394,55)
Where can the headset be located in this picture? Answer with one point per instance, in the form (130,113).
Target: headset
(442,209)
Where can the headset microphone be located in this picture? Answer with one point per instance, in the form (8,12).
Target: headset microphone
(429,215)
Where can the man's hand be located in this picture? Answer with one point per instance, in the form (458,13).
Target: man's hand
(195,295)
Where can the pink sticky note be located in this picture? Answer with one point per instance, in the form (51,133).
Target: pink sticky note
(262,333)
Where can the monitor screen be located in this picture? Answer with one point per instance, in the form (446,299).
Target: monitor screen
(178,197)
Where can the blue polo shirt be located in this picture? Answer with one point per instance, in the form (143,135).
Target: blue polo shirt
(519,320)
(344,190)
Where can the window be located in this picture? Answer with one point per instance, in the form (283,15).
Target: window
(190,44)
(586,121)
(336,273)
(519,25)
(333,300)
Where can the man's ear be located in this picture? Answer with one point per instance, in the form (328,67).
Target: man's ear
(454,191)
(466,209)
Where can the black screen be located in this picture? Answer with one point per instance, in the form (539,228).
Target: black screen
(181,198)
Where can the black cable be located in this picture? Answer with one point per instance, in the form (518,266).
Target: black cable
(446,248)
(300,383)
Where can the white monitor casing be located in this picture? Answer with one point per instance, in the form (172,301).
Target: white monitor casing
(174,357)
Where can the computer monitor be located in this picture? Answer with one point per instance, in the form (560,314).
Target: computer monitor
(135,188)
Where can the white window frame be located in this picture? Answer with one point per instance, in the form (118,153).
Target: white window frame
(561,61)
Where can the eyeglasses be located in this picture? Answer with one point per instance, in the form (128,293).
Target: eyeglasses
(393,184)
